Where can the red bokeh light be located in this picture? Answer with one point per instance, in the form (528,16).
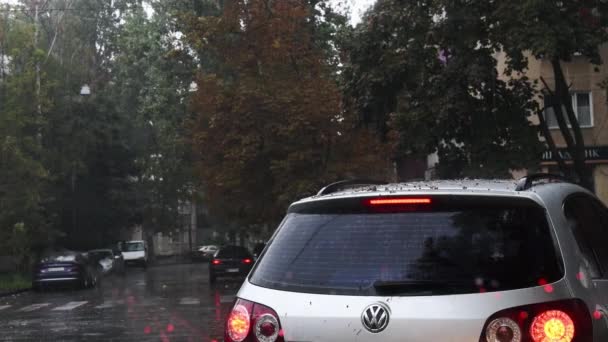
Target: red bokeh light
(170,327)
(147,330)
(597,314)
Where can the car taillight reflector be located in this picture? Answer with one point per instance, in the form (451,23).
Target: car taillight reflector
(552,326)
(247,261)
(238,323)
(398,201)
(216,262)
(266,328)
(503,330)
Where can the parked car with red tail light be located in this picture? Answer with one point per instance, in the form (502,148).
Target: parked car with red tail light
(230,261)
(473,260)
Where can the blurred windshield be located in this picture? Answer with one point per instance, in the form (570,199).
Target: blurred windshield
(494,248)
(233,252)
(97,255)
(133,246)
(58,256)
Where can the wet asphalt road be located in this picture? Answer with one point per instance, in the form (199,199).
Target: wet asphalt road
(164,303)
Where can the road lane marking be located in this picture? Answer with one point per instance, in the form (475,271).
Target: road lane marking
(69,306)
(226,299)
(189,301)
(33,307)
(2,307)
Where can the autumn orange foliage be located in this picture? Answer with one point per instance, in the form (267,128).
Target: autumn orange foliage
(269,125)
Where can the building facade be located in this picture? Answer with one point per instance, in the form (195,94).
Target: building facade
(590,104)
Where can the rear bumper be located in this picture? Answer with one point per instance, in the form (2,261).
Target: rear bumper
(224,272)
(57,280)
(135,261)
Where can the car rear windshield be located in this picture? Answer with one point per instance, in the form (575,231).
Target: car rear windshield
(233,252)
(455,247)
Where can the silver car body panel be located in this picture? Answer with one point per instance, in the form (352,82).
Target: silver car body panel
(447,318)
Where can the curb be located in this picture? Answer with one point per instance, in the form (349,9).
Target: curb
(14,292)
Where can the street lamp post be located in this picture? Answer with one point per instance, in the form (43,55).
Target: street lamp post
(85,91)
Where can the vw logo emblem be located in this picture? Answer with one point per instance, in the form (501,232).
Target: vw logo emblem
(375,317)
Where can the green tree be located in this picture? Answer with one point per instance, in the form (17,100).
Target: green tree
(24,222)
(153,76)
(423,74)
(431,65)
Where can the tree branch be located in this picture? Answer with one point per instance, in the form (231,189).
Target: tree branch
(578,146)
(544,127)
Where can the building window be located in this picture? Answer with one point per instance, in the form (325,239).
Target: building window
(583,109)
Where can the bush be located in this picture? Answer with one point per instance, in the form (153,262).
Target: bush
(14,281)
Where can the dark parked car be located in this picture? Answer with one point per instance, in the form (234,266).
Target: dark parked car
(64,267)
(258,249)
(230,261)
(119,260)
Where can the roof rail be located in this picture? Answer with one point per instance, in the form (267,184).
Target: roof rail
(334,187)
(525,183)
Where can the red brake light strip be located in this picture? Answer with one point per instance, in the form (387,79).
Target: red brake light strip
(393,201)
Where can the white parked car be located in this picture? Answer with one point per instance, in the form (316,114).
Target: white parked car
(135,253)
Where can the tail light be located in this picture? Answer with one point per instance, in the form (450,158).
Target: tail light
(216,262)
(252,322)
(552,325)
(397,201)
(559,321)
(398,204)
(247,261)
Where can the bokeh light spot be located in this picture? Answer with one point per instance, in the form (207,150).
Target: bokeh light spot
(597,314)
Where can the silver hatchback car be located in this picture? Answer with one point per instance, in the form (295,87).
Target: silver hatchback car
(458,261)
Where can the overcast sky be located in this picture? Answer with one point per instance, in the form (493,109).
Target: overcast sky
(357,6)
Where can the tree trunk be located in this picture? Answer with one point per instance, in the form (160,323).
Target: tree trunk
(551,144)
(576,144)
